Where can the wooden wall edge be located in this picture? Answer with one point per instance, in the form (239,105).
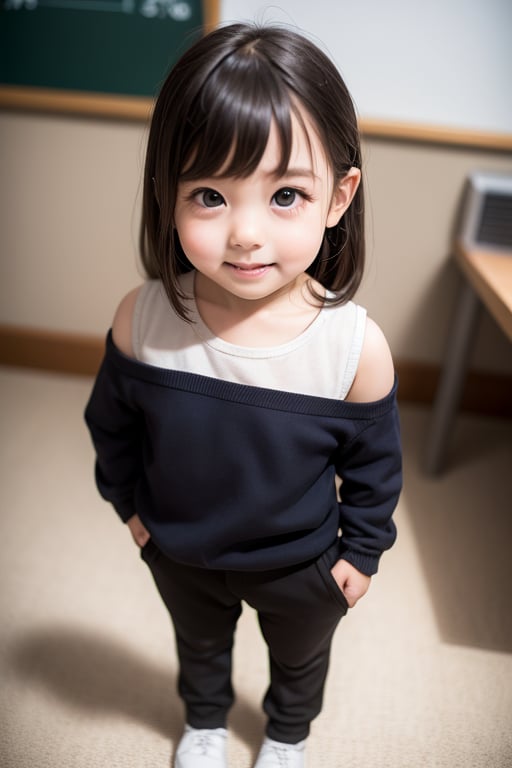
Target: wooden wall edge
(211,14)
(48,100)
(139,108)
(50,350)
(393,130)
(486,392)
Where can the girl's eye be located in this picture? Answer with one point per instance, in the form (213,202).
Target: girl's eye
(285,197)
(209,198)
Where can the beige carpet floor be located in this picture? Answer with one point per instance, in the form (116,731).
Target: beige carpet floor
(421,673)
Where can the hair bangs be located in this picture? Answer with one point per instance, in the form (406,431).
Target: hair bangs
(232,118)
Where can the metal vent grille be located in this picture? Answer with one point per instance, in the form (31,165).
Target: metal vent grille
(485,212)
(495,225)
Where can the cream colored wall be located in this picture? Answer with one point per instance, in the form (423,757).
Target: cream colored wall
(411,283)
(69,211)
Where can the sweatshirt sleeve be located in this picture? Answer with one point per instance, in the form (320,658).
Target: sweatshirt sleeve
(370,467)
(115,425)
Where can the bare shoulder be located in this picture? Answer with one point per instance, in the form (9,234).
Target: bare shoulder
(122,323)
(375,373)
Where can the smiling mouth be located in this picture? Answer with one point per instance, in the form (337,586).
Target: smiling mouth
(249,268)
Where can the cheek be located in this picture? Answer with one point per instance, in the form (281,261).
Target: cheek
(303,243)
(196,240)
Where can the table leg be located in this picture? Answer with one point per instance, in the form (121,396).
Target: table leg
(452,379)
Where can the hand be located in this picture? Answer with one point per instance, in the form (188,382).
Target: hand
(140,533)
(352,582)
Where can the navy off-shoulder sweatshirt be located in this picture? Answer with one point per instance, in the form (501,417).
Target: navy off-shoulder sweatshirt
(228,476)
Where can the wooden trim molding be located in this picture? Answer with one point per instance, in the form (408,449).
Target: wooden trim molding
(50,350)
(485,392)
(432,134)
(211,14)
(26,98)
(139,109)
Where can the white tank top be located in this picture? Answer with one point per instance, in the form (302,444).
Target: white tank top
(321,361)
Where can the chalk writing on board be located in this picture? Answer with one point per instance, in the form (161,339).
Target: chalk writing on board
(151,9)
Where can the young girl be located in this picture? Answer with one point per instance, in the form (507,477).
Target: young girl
(240,380)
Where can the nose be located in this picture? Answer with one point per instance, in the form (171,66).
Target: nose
(246,230)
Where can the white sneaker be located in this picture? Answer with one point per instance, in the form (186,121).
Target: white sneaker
(276,754)
(202,748)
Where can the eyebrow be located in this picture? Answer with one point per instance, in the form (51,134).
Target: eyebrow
(291,172)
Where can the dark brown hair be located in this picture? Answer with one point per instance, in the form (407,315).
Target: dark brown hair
(218,102)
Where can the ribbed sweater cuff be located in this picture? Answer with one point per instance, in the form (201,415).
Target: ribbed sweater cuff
(364,562)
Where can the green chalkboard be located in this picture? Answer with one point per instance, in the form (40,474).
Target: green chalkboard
(120,48)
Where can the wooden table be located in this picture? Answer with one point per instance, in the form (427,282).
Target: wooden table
(487,282)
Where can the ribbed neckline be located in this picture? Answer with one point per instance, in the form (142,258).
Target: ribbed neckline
(243,394)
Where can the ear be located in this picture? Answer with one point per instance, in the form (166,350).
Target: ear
(343,195)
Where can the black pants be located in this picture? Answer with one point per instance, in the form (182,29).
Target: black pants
(298,610)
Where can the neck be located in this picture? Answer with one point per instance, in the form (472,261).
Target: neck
(269,321)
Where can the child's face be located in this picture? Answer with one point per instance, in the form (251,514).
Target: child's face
(254,236)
